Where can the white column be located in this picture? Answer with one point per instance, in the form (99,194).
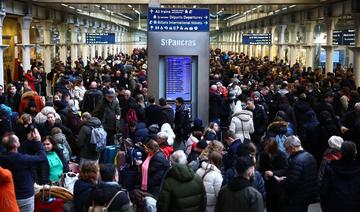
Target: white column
(309,34)
(48,48)
(263,47)
(74,44)
(281,49)
(92,46)
(2,48)
(25,32)
(251,48)
(330,26)
(293,28)
(356,18)
(63,50)
(271,47)
(85,47)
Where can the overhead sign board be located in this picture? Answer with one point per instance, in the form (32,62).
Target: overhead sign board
(344,37)
(100,38)
(181,20)
(256,39)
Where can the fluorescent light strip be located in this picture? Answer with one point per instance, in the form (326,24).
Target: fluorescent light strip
(291,6)
(276,11)
(65,5)
(72,7)
(285,8)
(194,6)
(137,12)
(96,5)
(232,16)
(108,11)
(259,6)
(130,6)
(78,10)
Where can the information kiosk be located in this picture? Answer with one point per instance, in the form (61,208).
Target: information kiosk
(178,57)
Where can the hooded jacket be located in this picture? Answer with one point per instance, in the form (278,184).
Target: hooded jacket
(239,196)
(340,187)
(182,190)
(242,124)
(212,180)
(87,150)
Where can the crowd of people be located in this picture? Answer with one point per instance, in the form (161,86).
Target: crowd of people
(280,138)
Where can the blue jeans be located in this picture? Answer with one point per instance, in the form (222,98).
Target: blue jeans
(26,205)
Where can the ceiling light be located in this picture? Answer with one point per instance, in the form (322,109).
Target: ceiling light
(162,6)
(72,7)
(130,6)
(259,6)
(285,8)
(96,5)
(194,6)
(291,6)
(137,12)
(232,16)
(78,10)
(65,5)
(108,11)
(276,11)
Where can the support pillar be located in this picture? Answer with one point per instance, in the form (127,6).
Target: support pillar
(251,48)
(356,18)
(330,26)
(74,44)
(271,46)
(85,47)
(309,36)
(282,44)
(48,48)
(25,32)
(2,48)
(92,46)
(293,28)
(63,46)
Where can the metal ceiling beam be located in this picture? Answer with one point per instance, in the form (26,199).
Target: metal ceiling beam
(176,2)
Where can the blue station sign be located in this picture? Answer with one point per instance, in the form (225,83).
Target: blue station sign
(100,38)
(256,39)
(344,37)
(180,20)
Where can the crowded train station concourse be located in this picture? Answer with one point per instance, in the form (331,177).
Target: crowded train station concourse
(179,106)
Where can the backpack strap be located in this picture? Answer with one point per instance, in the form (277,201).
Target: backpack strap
(112,199)
(207,171)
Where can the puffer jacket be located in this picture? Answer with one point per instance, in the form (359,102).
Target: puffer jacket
(182,190)
(212,180)
(242,124)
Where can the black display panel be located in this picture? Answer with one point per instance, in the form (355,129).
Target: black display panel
(256,39)
(100,38)
(178,77)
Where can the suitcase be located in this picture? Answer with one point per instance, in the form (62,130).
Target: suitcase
(48,204)
(109,153)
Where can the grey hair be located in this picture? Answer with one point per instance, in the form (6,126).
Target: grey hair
(162,135)
(127,92)
(357,105)
(178,157)
(293,141)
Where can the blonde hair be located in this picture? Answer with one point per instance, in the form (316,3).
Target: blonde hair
(24,119)
(214,145)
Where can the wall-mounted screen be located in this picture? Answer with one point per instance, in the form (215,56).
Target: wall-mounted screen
(336,58)
(100,38)
(256,39)
(178,77)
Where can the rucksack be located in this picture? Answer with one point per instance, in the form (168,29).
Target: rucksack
(98,137)
(131,116)
(280,140)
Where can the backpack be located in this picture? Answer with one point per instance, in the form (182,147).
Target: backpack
(98,137)
(280,140)
(131,116)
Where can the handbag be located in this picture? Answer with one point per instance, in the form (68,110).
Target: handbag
(69,180)
(48,204)
(103,208)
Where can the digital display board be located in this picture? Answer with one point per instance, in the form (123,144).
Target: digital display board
(256,39)
(178,77)
(344,37)
(100,38)
(336,58)
(177,19)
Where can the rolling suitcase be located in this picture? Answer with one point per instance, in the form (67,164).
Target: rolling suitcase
(109,153)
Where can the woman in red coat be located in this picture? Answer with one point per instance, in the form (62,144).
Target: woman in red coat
(31,79)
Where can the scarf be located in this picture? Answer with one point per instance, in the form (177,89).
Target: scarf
(144,171)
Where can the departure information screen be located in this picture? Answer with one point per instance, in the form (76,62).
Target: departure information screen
(178,19)
(256,39)
(344,37)
(100,38)
(178,77)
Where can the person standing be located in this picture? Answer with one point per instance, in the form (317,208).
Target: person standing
(8,201)
(300,180)
(182,189)
(239,194)
(21,166)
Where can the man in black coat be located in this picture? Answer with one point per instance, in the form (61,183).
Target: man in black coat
(167,113)
(153,112)
(182,120)
(91,98)
(300,180)
(260,119)
(107,189)
(340,184)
